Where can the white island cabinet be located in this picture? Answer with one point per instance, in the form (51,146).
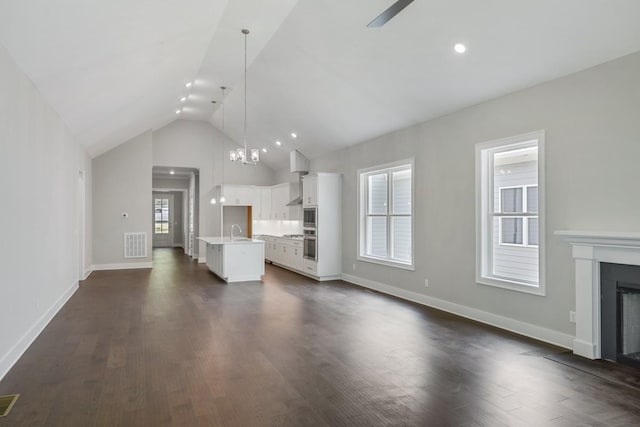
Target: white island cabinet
(235,260)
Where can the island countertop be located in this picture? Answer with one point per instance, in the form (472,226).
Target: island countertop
(225,240)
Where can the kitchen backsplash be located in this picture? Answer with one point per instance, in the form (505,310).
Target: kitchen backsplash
(277,228)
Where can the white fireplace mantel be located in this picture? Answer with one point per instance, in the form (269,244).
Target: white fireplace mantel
(590,248)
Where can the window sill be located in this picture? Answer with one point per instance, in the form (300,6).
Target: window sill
(386,263)
(517,245)
(512,285)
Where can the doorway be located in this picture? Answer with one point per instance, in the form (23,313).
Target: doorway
(164,222)
(174,208)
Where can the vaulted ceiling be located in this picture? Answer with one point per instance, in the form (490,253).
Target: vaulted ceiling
(113,69)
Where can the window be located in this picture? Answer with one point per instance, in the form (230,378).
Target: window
(509,209)
(386,214)
(520,204)
(161,216)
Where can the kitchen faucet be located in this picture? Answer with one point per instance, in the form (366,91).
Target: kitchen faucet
(233,226)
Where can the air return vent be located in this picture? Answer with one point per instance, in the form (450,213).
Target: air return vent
(6,403)
(135,245)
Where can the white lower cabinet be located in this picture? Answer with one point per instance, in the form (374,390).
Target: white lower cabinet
(215,259)
(235,261)
(297,258)
(270,249)
(281,253)
(310,267)
(284,252)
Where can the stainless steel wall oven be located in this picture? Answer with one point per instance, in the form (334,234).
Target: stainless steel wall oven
(310,245)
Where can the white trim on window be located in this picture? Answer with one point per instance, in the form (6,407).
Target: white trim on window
(485,212)
(362,214)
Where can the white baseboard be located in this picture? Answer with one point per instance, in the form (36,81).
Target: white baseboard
(122,266)
(87,272)
(585,349)
(11,357)
(202,260)
(532,331)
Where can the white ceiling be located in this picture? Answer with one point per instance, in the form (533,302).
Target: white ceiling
(114,69)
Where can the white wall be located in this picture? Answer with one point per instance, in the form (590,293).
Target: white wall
(592,152)
(196,144)
(121,183)
(39,169)
(170,183)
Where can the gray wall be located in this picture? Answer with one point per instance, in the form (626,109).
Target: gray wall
(171,183)
(121,183)
(283,175)
(39,170)
(235,215)
(195,144)
(592,152)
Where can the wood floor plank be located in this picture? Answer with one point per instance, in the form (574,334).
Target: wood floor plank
(176,346)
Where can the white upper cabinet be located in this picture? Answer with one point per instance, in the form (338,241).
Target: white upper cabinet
(264,211)
(310,190)
(269,203)
(279,198)
(242,195)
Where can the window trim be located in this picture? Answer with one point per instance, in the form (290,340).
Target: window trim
(362,215)
(484,182)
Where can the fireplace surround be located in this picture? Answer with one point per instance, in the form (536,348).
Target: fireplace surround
(590,249)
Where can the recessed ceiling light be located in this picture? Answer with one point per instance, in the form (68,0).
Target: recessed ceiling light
(459,48)
(293,135)
(278,143)
(184,98)
(188,84)
(264,150)
(172,172)
(178,111)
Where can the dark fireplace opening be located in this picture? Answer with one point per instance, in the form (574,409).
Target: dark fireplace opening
(620,313)
(629,322)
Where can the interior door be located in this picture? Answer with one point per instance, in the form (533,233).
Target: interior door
(162,220)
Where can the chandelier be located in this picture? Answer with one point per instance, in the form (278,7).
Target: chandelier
(242,155)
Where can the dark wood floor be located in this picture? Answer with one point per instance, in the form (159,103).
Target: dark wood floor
(177,346)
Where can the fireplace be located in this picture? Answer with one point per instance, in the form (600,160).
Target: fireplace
(620,313)
(597,298)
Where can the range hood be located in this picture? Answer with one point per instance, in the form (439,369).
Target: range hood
(300,165)
(295,202)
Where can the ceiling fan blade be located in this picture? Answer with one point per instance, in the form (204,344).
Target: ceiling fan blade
(392,11)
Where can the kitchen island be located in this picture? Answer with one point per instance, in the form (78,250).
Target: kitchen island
(239,259)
